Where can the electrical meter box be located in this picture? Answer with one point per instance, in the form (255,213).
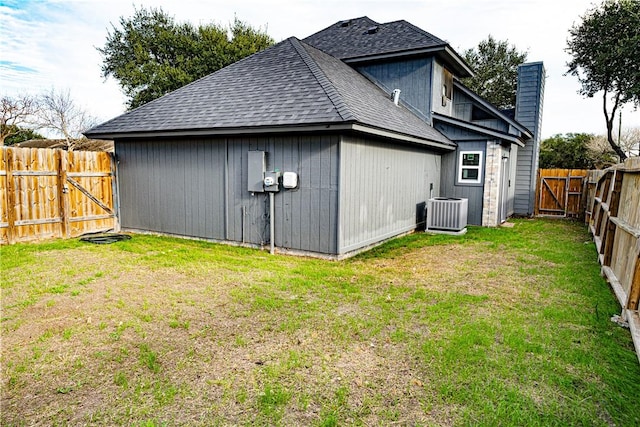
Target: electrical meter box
(272,181)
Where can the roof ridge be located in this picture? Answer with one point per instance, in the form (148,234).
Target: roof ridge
(341,107)
(348,20)
(418,29)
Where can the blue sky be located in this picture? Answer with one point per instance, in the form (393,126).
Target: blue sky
(52,44)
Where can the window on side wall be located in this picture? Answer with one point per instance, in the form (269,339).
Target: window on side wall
(470,167)
(447,84)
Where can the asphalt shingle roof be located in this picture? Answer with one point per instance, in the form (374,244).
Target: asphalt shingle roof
(288,84)
(367,103)
(361,37)
(272,87)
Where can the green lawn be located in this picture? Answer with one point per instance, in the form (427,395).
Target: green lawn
(500,327)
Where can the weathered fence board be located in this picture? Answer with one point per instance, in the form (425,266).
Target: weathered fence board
(615,225)
(561,192)
(54,193)
(591,182)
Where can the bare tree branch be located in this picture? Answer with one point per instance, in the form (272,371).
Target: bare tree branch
(62,116)
(630,141)
(17,114)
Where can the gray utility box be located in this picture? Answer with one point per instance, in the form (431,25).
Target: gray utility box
(447,213)
(256,165)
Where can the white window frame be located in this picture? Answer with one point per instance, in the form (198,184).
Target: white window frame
(461,167)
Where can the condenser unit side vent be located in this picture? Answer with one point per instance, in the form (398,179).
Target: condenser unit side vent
(447,214)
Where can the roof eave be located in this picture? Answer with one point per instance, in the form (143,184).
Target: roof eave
(219,131)
(379,132)
(479,129)
(344,126)
(459,64)
(444,52)
(489,106)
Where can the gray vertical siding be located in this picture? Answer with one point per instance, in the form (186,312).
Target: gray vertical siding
(412,77)
(462,106)
(463,109)
(529,113)
(505,187)
(380,186)
(159,193)
(198,188)
(306,217)
(513,165)
(473,192)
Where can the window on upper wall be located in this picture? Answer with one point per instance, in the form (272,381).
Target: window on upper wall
(447,83)
(470,167)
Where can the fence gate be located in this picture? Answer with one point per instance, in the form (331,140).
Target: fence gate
(561,192)
(54,193)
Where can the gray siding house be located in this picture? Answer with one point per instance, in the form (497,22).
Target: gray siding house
(358,125)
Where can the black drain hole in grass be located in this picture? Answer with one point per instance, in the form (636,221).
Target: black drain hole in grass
(103,239)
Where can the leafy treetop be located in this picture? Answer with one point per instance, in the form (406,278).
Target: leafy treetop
(605,50)
(150,54)
(574,151)
(21,135)
(495,64)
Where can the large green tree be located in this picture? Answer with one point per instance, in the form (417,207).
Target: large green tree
(150,54)
(573,151)
(495,64)
(21,135)
(605,50)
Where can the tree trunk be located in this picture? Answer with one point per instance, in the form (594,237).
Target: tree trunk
(609,118)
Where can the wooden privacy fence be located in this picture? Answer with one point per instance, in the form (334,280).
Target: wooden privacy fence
(590,188)
(54,193)
(561,192)
(615,225)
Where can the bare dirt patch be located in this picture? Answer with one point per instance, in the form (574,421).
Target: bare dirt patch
(457,268)
(164,331)
(123,340)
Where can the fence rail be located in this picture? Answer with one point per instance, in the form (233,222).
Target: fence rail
(615,225)
(54,193)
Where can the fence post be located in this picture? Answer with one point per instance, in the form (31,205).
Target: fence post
(63,192)
(115,193)
(11,195)
(536,202)
(584,196)
(607,242)
(634,291)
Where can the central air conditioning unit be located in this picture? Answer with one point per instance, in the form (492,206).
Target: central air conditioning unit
(447,214)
